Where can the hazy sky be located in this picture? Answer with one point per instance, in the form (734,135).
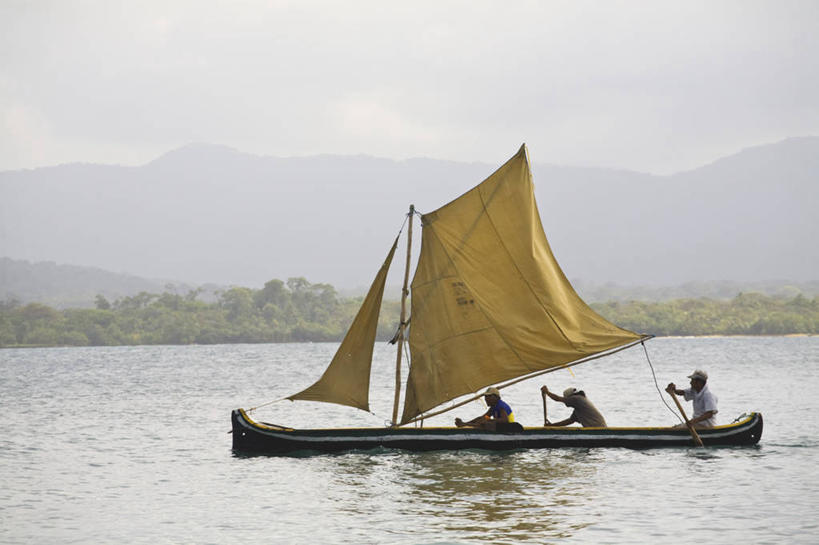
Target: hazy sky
(652,86)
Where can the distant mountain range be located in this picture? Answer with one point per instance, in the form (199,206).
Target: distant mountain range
(65,286)
(207,213)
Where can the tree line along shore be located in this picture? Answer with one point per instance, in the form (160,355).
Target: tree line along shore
(298,311)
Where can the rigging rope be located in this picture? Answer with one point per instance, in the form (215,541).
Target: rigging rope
(657,385)
(250,410)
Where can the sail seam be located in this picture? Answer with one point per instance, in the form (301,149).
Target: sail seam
(464,334)
(490,254)
(517,267)
(492,325)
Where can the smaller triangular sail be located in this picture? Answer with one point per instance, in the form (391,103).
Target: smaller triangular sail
(347,379)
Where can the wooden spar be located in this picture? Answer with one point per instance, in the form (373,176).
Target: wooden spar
(402,324)
(532,375)
(694,433)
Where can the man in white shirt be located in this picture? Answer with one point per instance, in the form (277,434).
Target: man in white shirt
(705,403)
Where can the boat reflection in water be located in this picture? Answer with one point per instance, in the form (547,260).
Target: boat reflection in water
(518,496)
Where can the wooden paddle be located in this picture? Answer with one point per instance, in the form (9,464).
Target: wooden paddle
(545,419)
(694,433)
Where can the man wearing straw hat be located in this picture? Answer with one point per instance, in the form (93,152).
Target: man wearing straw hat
(705,403)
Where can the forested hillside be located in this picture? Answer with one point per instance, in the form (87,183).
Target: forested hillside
(295,311)
(746,314)
(72,286)
(298,311)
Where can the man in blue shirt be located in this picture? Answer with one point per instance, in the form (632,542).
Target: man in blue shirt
(498,417)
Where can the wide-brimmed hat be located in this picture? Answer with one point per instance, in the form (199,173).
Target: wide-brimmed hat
(700,374)
(492,392)
(569,392)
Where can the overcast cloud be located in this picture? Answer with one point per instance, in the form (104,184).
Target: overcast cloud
(649,86)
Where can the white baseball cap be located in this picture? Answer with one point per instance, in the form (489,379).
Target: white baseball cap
(700,374)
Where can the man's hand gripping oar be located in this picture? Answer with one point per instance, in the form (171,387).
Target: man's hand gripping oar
(672,392)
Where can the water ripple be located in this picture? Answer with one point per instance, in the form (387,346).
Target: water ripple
(106,445)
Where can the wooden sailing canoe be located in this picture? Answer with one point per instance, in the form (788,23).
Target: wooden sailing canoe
(256,437)
(490,307)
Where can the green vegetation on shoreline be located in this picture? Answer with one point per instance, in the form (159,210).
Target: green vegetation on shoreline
(745,314)
(297,311)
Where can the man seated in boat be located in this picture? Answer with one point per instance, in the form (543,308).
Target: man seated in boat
(705,403)
(499,416)
(585,413)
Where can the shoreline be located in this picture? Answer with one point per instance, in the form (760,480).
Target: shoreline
(21,347)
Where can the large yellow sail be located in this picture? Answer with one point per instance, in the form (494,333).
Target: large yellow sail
(346,381)
(489,301)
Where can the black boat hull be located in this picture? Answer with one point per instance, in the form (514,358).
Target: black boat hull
(255,437)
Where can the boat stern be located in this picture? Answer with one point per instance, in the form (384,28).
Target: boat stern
(236,418)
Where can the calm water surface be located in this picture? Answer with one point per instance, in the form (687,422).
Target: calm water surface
(130,445)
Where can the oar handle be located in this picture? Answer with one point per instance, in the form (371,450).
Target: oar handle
(690,426)
(545,417)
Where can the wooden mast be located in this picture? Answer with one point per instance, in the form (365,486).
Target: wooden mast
(402,324)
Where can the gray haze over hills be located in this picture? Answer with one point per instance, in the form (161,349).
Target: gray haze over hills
(206,213)
(69,286)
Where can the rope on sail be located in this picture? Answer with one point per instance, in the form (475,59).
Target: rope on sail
(250,410)
(657,385)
